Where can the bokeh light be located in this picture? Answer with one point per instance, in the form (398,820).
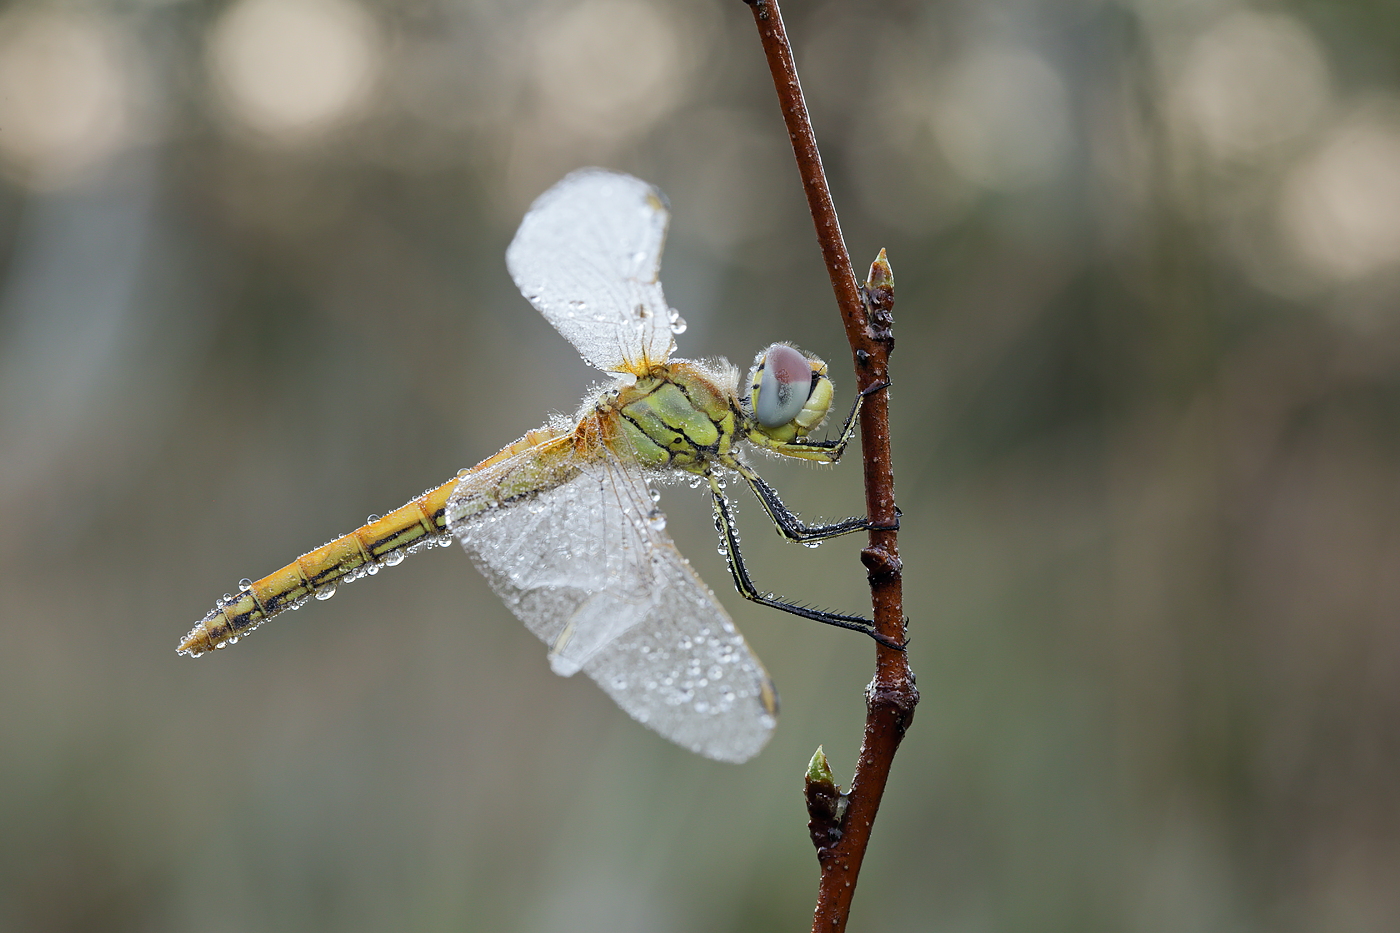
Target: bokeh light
(1251,83)
(65,93)
(289,70)
(609,67)
(1002,118)
(1341,206)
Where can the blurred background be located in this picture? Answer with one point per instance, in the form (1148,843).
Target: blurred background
(1147,434)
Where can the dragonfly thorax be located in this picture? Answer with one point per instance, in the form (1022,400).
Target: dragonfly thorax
(678,416)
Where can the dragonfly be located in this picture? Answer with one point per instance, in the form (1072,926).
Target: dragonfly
(564,523)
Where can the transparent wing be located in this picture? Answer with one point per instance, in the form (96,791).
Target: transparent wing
(588,257)
(587,567)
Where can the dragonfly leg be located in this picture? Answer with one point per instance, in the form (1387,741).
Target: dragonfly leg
(729,538)
(786,520)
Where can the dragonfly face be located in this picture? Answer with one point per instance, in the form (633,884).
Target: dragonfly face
(789,396)
(563,523)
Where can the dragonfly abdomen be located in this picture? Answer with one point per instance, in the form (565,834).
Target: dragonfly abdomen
(383,542)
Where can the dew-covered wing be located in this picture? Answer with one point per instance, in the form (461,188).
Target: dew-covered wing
(588,567)
(588,257)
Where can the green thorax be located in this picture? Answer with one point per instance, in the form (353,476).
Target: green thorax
(678,417)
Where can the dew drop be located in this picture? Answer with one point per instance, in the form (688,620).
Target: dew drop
(657,520)
(326,592)
(245,584)
(812,544)
(372,519)
(393,559)
(678,324)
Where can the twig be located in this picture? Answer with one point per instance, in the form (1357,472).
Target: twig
(841,838)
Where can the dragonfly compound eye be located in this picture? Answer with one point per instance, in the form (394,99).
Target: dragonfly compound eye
(784,382)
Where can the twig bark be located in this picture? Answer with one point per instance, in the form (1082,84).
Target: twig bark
(842,834)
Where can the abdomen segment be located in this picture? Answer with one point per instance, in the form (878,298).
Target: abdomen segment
(381,543)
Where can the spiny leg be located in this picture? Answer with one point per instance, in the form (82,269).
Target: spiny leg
(786,520)
(729,538)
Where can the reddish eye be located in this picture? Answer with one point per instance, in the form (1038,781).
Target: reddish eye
(785,385)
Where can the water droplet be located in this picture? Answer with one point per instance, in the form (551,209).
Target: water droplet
(654,493)
(393,558)
(812,544)
(657,520)
(372,519)
(232,641)
(325,592)
(678,324)
(245,584)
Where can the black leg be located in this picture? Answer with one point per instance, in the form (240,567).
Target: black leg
(729,539)
(787,521)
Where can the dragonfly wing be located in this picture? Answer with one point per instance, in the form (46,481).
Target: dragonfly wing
(588,257)
(586,565)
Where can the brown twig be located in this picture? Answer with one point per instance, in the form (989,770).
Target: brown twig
(867,315)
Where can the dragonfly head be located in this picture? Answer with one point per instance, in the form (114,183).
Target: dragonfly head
(789,393)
